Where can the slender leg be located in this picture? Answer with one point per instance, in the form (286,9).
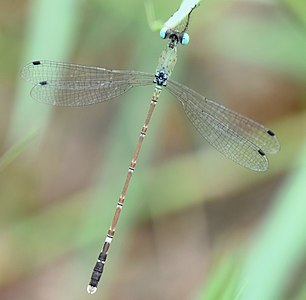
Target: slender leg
(98,269)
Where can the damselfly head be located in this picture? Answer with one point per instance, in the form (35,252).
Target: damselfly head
(174,36)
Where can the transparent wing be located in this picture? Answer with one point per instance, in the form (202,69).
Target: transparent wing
(237,137)
(64,84)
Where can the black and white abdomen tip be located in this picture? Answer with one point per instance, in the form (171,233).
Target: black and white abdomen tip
(91,289)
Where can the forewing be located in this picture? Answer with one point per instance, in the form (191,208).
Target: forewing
(76,85)
(249,129)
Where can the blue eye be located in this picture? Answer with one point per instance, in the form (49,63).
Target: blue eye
(185,38)
(163,33)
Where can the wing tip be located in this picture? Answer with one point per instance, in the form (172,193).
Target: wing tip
(276,144)
(26,70)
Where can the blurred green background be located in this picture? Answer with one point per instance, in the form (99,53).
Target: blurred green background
(195,225)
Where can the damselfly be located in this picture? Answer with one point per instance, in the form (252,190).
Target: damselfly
(237,137)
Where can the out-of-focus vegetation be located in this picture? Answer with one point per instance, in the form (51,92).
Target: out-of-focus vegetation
(195,225)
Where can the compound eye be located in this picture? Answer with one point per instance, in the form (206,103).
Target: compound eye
(163,33)
(185,39)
